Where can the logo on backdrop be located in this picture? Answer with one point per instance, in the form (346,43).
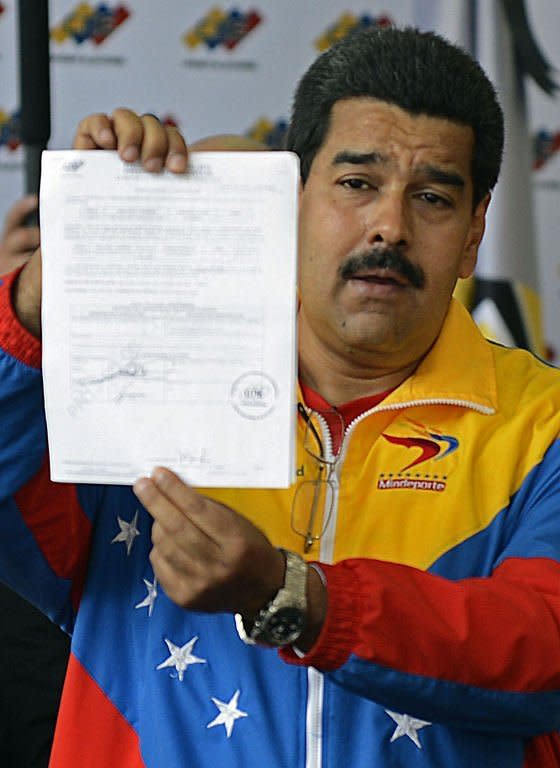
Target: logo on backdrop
(546,144)
(86,28)
(271,134)
(88,22)
(349,22)
(221,30)
(10,130)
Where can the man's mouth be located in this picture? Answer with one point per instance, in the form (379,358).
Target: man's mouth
(386,267)
(382,278)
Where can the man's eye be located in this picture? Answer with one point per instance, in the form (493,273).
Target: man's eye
(356,184)
(433,199)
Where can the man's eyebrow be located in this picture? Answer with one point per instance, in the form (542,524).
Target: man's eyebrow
(358,158)
(440,176)
(431,172)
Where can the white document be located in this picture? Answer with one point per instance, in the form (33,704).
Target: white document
(169,308)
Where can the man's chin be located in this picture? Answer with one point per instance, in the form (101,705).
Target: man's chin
(372,337)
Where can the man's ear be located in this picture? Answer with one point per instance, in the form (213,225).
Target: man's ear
(474,237)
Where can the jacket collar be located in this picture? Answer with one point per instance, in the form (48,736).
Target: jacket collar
(459,369)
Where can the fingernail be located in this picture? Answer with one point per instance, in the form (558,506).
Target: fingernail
(141,485)
(177,163)
(159,476)
(130,154)
(153,164)
(106,136)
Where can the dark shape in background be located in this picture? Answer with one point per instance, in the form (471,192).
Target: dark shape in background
(530,59)
(33,651)
(35,89)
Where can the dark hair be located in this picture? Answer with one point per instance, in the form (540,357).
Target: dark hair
(419,72)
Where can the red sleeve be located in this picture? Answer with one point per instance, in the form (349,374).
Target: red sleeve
(14,338)
(501,632)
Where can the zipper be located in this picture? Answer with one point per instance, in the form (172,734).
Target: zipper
(314,719)
(315,679)
(484,409)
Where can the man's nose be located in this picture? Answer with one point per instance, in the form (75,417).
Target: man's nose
(388,220)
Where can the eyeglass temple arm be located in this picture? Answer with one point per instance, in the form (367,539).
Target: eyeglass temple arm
(305,416)
(309,538)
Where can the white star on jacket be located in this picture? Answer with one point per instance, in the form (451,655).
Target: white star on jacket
(149,600)
(407,726)
(228,713)
(181,657)
(128,532)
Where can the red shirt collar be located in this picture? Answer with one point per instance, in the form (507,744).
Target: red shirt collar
(349,411)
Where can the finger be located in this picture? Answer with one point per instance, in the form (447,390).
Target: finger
(177,153)
(129,131)
(208,515)
(19,211)
(183,544)
(95,132)
(22,241)
(177,540)
(155,143)
(178,586)
(169,549)
(193,583)
(175,519)
(163,571)
(158,505)
(163,145)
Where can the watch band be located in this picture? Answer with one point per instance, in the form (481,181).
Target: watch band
(282,620)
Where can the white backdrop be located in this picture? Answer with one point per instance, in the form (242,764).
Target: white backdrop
(164,57)
(545,119)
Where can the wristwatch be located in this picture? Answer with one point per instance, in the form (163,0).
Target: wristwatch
(282,620)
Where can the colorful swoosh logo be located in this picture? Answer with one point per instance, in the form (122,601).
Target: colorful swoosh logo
(430,445)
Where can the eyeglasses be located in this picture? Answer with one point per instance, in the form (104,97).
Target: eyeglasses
(313,496)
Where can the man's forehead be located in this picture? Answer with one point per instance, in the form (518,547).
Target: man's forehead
(379,130)
(370,103)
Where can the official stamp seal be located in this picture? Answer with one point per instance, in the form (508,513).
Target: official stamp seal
(253,395)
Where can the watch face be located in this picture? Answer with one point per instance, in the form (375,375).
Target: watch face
(282,628)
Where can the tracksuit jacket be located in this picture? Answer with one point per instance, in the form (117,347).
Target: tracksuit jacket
(441,645)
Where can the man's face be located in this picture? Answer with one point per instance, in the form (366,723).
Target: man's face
(386,228)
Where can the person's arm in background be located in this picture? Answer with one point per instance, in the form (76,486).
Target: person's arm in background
(18,241)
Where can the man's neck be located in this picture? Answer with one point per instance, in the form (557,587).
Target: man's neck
(339,380)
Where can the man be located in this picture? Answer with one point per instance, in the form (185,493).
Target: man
(426,631)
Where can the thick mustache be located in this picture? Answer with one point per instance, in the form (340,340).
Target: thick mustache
(386,258)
